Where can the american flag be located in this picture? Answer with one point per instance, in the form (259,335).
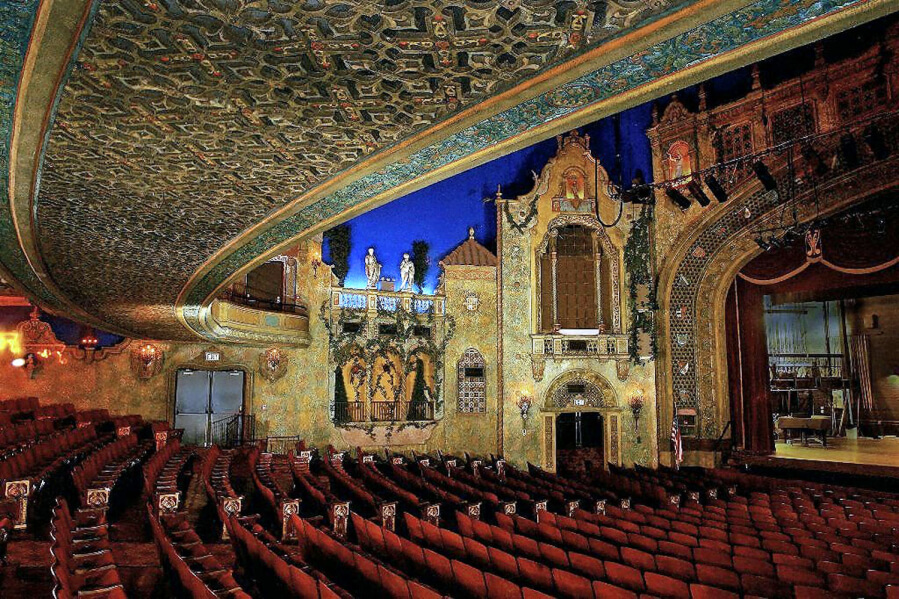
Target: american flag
(677,443)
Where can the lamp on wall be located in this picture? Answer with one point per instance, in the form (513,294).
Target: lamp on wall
(146,360)
(636,402)
(524,406)
(29,362)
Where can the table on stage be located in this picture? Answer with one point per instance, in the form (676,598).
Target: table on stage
(815,424)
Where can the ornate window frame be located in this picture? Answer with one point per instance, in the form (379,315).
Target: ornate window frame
(475,389)
(608,254)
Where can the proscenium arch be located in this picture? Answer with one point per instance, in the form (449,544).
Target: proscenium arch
(300,218)
(608,407)
(718,273)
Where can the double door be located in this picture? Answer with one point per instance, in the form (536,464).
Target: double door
(204,398)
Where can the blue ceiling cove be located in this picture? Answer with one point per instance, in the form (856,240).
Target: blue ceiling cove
(441,213)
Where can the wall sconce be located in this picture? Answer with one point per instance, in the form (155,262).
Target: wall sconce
(146,361)
(315,264)
(29,362)
(524,406)
(636,402)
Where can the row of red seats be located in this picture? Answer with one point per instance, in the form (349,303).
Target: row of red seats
(37,462)
(270,473)
(197,572)
(55,411)
(427,490)
(19,404)
(16,437)
(452,576)
(333,467)
(155,466)
(103,468)
(624,488)
(216,472)
(83,562)
(373,478)
(362,575)
(276,573)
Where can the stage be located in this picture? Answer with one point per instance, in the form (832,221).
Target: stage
(861,457)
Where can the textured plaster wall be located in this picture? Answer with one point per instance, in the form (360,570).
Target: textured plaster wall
(475,433)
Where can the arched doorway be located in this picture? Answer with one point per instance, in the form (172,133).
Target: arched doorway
(579,442)
(581,423)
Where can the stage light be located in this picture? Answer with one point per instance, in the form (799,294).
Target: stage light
(874,138)
(848,151)
(18,362)
(764,176)
(763,243)
(698,194)
(679,199)
(716,189)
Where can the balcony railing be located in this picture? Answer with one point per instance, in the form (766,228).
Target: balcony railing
(384,411)
(589,346)
(373,300)
(244,296)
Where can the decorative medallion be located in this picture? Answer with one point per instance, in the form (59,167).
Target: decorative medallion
(472,301)
(273,364)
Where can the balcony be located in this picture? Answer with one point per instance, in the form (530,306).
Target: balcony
(601,346)
(354,412)
(239,316)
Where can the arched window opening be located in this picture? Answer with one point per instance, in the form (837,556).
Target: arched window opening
(472,383)
(570,280)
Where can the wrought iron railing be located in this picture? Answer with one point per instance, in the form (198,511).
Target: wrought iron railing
(234,430)
(384,411)
(349,411)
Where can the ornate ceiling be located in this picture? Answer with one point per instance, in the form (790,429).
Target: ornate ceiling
(191,137)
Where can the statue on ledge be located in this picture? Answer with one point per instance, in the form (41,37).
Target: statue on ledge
(372,269)
(407,273)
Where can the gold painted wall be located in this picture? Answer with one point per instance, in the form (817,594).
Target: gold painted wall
(475,433)
(524,222)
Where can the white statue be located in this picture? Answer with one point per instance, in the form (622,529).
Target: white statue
(372,270)
(407,273)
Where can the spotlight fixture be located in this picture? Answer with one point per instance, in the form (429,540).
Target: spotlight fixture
(764,176)
(716,189)
(874,138)
(698,194)
(678,198)
(763,243)
(849,151)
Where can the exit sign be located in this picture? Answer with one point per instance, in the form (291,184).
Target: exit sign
(213,356)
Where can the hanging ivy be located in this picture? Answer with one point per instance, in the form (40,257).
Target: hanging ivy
(400,339)
(638,265)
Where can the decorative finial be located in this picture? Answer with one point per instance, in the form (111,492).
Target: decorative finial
(703,105)
(471,232)
(756,77)
(499,192)
(655,113)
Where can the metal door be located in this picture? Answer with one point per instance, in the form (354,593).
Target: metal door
(203,397)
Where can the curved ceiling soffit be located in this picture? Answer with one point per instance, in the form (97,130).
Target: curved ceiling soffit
(766,17)
(27,97)
(702,52)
